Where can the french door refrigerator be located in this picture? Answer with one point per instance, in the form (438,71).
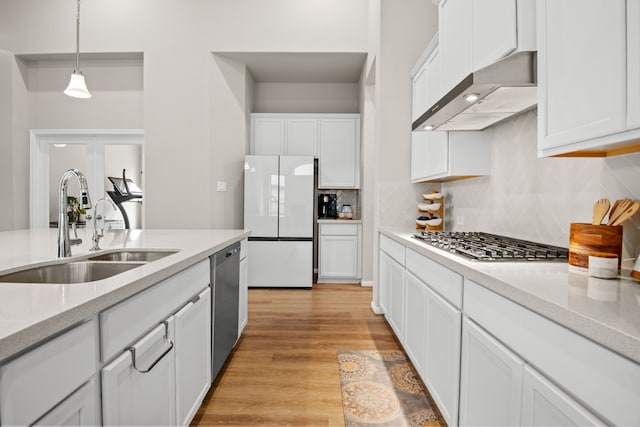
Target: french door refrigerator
(278,209)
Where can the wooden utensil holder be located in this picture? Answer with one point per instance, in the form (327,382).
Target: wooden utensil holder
(439,212)
(597,240)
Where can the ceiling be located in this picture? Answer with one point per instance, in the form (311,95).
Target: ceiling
(294,67)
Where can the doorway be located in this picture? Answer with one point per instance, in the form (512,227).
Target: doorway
(98,154)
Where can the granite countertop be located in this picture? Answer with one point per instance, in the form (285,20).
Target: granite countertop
(605,311)
(30,313)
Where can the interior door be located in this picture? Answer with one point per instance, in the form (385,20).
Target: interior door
(296,197)
(261,184)
(138,387)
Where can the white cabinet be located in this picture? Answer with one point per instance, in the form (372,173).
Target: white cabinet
(415,336)
(79,409)
(500,28)
(442,156)
(339,252)
(193,356)
(243,297)
(491,380)
(302,137)
(339,153)
(138,387)
(42,379)
(544,404)
(588,84)
(268,136)
(392,283)
(426,80)
(454,33)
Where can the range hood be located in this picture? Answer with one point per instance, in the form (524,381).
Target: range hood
(501,90)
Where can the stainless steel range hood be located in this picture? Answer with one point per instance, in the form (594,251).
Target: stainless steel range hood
(503,89)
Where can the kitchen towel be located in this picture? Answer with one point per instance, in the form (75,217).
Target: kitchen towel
(382,388)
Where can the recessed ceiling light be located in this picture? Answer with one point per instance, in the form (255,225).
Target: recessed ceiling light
(428,127)
(471,97)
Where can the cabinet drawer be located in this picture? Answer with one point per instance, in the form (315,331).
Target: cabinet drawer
(37,381)
(445,282)
(123,323)
(394,249)
(338,229)
(586,370)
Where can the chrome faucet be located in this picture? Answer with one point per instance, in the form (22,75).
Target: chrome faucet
(64,242)
(96,236)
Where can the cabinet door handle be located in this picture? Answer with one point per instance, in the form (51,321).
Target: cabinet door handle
(133,352)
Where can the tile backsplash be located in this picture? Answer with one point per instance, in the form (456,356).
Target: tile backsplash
(537,198)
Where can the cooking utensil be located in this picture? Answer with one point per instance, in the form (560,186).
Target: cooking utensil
(618,208)
(600,209)
(625,215)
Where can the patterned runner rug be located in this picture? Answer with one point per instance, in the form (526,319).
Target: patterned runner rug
(382,388)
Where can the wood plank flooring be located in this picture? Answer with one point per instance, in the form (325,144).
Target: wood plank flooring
(284,369)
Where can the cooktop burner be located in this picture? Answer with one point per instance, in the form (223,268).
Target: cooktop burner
(479,246)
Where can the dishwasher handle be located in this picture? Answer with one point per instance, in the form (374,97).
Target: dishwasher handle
(164,353)
(232,252)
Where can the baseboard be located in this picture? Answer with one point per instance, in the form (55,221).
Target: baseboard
(376,308)
(367,283)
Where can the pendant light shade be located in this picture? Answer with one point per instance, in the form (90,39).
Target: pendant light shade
(77,87)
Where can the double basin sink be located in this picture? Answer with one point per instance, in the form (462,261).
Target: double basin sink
(90,269)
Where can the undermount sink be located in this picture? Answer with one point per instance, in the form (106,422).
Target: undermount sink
(71,272)
(135,256)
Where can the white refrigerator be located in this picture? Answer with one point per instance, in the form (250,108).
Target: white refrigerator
(278,209)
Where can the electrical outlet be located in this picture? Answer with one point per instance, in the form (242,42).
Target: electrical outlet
(221,186)
(459,220)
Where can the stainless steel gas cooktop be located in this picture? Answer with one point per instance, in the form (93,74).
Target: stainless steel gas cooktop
(479,246)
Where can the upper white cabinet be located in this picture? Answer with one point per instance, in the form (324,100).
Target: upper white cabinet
(334,139)
(426,80)
(267,136)
(442,156)
(455,33)
(500,28)
(588,77)
(339,154)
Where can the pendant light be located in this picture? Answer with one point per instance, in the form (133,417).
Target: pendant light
(77,87)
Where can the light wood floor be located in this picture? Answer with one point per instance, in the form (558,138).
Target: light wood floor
(284,369)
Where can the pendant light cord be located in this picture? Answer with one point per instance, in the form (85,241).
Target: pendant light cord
(78,38)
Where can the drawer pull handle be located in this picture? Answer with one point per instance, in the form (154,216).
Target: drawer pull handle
(133,352)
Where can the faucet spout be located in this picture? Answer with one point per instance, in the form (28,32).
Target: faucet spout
(64,242)
(96,236)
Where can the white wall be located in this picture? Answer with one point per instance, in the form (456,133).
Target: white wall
(191,131)
(306,98)
(538,198)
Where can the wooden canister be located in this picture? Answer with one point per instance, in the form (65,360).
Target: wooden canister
(597,240)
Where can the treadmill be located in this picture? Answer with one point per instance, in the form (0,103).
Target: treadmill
(124,190)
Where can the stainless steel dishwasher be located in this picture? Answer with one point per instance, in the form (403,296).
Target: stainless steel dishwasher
(225,274)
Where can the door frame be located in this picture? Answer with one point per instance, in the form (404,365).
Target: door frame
(95,140)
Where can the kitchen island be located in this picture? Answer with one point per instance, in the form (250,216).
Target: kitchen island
(493,340)
(108,333)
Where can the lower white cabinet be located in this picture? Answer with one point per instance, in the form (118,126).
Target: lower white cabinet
(415,321)
(138,387)
(393,283)
(544,404)
(79,409)
(243,298)
(193,356)
(339,253)
(45,381)
(491,380)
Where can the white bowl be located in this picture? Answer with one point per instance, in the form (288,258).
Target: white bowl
(432,196)
(428,207)
(422,222)
(434,222)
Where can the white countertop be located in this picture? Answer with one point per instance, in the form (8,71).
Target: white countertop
(339,221)
(32,312)
(606,311)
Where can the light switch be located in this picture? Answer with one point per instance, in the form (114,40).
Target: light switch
(222,186)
